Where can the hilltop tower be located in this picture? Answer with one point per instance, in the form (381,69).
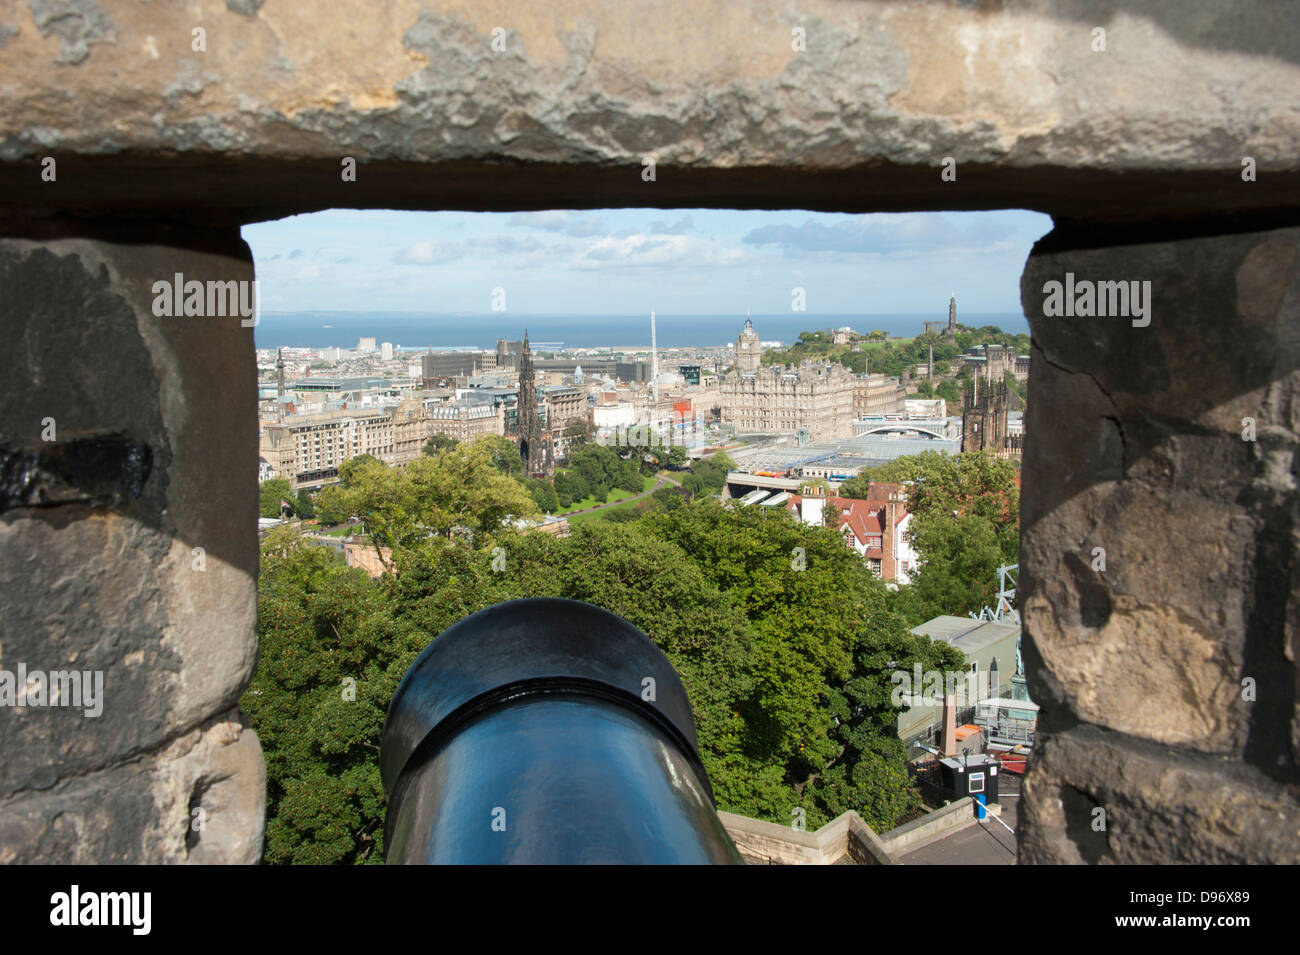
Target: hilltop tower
(749,353)
(279,372)
(952,317)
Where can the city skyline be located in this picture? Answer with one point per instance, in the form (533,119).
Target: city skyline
(624,261)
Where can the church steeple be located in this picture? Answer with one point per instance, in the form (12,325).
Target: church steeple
(279,371)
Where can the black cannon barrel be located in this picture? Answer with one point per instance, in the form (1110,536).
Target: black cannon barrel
(546,731)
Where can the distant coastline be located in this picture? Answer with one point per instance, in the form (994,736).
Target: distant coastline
(320,329)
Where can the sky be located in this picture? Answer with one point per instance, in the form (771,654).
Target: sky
(624,261)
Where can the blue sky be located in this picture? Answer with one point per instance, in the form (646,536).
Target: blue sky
(624,261)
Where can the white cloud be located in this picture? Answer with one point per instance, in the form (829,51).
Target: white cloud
(429,252)
(640,251)
(560,220)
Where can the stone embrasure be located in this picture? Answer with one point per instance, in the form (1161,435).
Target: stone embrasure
(135,138)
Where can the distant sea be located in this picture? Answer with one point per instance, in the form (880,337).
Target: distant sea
(412,330)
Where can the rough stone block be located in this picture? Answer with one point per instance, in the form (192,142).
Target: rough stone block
(816,104)
(1096,797)
(200,799)
(128,506)
(1137,448)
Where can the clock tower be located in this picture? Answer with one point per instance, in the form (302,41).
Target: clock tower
(748,351)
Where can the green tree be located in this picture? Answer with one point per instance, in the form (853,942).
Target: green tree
(959,574)
(439,442)
(349,468)
(830,514)
(321,624)
(332,505)
(544,495)
(950,392)
(502,453)
(598,465)
(460,490)
(785,661)
(578,432)
(303,505)
(570,487)
(269,495)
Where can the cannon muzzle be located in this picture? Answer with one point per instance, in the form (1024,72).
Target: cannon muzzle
(546,731)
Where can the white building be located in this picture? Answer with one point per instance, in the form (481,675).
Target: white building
(621,415)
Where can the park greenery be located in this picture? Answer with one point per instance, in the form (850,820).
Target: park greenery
(783,637)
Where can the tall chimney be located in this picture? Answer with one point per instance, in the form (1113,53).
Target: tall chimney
(810,510)
(948,728)
(887,569)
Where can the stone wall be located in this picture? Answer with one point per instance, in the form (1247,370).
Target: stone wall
(136,138)
(1160,534)
(844,839)
(127,549)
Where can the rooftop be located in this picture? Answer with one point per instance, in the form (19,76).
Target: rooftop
(965,633)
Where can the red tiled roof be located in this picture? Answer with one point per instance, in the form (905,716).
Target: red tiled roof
(865,518)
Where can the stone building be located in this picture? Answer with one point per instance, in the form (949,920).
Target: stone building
(563,404)
(456,364)
(749,350)
(308,449)
(878,395)
(990,362)
(463,420)
(817,396)
(984,418)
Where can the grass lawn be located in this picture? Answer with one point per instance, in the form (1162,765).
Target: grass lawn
(343,530)
(617,494)
(597,515)
(876,346)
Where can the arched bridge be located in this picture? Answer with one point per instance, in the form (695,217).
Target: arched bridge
(934,427)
